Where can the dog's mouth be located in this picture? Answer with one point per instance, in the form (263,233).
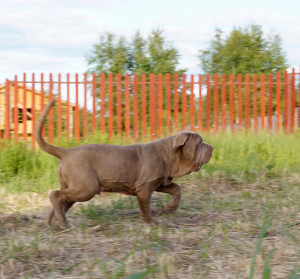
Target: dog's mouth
(197,167)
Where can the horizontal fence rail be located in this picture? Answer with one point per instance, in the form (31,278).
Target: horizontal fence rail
(149,105)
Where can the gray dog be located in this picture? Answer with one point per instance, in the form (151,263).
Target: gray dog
(136,170)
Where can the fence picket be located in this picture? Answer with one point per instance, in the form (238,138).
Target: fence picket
(156,104)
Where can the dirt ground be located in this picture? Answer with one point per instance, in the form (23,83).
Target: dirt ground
(216,233)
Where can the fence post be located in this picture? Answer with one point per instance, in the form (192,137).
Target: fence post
(33,111)
(200,110)
(94,104)
(152,107)
(270,102)
(127,106)
(24,112)
(289,104)
(247,100)
(176,102)
(144,105)
(68,106)
(255,102)
(231,101)
(119,103)
(160,105)
(16,110)
(192,115)
(110,105)
(207,102)
(263,102)
(184,102)
(168,102)
(278,106)
(223,103)
(51,111)
(7,110)
(135,107)
(102,97)
(59,114)
(216,104)
(240,104)
(293,100)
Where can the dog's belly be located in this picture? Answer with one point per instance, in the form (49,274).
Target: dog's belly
(117,187)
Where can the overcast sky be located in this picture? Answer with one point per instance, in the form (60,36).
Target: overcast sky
(44,36)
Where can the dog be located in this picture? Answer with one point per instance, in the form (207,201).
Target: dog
(138,170)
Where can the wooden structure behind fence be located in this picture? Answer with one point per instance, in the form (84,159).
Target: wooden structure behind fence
(155,105)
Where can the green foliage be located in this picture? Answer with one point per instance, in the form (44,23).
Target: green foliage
(118,55)
(252,154)
(247,155)
(243,51)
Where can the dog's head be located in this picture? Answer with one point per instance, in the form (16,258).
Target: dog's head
(191,152)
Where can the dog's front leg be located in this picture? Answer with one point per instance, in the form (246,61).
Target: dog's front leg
(175,191)
(144,199)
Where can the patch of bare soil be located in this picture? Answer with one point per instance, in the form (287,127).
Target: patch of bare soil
(214,234)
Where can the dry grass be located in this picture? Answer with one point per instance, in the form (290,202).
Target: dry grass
(214,233)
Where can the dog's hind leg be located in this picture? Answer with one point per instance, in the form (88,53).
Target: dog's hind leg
(175,191)
(52,217)
(62,200)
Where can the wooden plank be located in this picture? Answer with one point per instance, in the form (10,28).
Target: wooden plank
(216,103)
(16,110)
(33,110)
(255,103)
(192,102)
(102,97)
(270,102)
(94,104)
(224,102)
(110,106)
(263,101)
(7,110)
(68,106)
(160,105)
(59,109)
(119,104)
(278,102)
(207,103)
(144,105)
(127,106)
(184,103)
(135,107)
(176,102)
(24,110)
(51,136)
(200,109)
(168,102)
(240,101)
(231,102)
(77,113)
(247,101)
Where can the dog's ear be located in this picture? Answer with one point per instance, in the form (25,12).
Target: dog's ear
(180,139)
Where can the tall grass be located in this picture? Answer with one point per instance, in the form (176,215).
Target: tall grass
(240,154)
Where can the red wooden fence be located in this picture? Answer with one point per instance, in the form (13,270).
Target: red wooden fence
(155,105)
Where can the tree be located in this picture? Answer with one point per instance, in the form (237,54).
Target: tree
(243,51)
(117,55)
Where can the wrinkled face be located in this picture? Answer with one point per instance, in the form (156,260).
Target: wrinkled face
(192,152)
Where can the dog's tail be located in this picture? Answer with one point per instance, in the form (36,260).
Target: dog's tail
(53,150)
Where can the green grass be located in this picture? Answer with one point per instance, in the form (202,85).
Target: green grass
(238,218)
(239,155)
